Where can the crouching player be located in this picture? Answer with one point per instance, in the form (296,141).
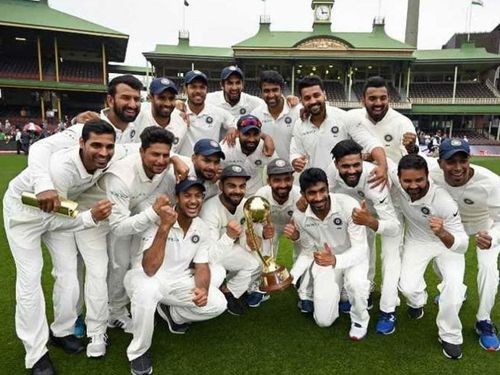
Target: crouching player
(165,274)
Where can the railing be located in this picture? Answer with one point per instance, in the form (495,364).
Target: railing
(356,104)
(456,101)
(492,87)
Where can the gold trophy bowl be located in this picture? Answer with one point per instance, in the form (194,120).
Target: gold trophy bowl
(68,208)
(274,277)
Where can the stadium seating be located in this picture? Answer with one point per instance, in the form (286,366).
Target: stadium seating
(334,91)
(445,90)
(474,137)
(85,72)
(18,68)
(394,95)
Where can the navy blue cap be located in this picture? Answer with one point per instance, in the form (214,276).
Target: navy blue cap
(228,70)
(207,147)
(234,170)
(195,74)
(248,122)
(187,183)
(158,85)
(450,146)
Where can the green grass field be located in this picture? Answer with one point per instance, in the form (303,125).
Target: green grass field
(275,338)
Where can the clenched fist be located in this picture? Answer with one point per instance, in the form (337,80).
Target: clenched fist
(437,225)
(483,240)
(101,210)
(233,229)
(160,202)
(168,216)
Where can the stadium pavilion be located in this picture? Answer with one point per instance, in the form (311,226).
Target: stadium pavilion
(453,89)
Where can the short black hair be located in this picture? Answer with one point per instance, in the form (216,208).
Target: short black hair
(97,127)
(272,77)
(376,82)
(310,81)
(127,79)
(413,161)
(156,134)
(310,177)
(346,147)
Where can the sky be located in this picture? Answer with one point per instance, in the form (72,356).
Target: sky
(222,23)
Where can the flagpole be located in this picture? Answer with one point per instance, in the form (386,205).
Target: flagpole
(469,26)
(183,16)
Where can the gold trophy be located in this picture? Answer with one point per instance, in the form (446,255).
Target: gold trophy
(67,208)
(274,277)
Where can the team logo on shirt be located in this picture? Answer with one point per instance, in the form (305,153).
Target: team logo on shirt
(335,129)
(132,134)
(468,201)
(243,111)
(258,162)
(195,238)
(337,221)
(388,137)
(288,120)
(176,140)
(425,210)
(361,194)
(209,120)
(242,221)
(290,213)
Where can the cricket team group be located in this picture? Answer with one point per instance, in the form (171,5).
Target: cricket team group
(161,229)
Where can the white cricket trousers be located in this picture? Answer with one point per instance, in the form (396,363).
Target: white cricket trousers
(92,246)
(391,268)
(177,292)
(487,280)
(416,256)
(301,270)
(327,284)
(26,228)
(243,268)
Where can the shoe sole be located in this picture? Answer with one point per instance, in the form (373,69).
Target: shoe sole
(418,317)
(169,323)
(447,355)
(234,313)
(150,371)
(386,333)
(354,338)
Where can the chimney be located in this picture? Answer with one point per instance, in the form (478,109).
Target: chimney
(411,36)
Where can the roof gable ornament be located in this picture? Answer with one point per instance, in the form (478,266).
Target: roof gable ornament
(323,43)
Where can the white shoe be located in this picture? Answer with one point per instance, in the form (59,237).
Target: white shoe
(124,322)
(357,332)
(97,346)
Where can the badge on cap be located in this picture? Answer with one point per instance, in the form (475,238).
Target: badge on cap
(191,178)
(280,163)
(232,68)
(165,81)
(236,168)
(197,72)
(214,144)
(456,142)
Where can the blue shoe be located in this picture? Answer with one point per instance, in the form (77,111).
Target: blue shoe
(306,306)
(79,330)
(488,338)
(345,307)
(254,299)
(386,323)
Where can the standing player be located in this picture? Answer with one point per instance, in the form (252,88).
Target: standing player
(339,250)
(72,171)
(477,193)
(225,219)
(394,130)
(231,96)
(314,137)
(249,151)
(276,115)
(205,119)
(163,273)
(349,175)
(434,233)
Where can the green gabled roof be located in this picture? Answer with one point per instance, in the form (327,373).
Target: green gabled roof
(184,50)
(376,40)
(38,15)
(468,53)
